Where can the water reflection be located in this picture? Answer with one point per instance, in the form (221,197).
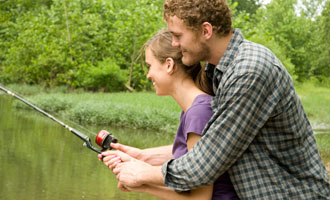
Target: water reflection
(42,160)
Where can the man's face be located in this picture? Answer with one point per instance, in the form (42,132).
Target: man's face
(192,47)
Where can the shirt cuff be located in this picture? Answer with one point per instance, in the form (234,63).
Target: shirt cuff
(167,180)
(164,171)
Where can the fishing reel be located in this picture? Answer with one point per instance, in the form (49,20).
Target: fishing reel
(104,140)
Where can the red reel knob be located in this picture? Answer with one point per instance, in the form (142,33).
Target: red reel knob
(104,140)
(100,137)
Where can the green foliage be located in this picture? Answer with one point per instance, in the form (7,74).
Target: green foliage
(294,38)
(135,23)
(106,75)
(94,44)
(321,47)
(51,44)
(290,32)
(248,6)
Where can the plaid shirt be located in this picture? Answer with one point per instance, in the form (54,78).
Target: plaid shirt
(259,132)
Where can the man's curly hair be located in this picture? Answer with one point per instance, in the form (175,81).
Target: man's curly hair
(195,12)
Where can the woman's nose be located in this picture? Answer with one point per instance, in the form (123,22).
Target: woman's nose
(148,76)
(175,43)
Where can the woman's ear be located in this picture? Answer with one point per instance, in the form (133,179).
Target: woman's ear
(170,64)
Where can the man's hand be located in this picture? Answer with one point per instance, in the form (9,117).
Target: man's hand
(132,173)
(125,188)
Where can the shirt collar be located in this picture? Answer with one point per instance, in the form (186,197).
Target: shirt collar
(230,52)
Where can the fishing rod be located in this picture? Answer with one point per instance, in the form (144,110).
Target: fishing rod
(103,138)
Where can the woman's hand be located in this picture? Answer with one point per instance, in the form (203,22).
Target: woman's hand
(112,158)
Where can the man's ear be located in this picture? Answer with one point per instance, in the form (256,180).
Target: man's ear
(207,30)
(170,64)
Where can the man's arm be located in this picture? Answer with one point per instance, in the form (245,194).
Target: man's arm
(135,173)
(245,105)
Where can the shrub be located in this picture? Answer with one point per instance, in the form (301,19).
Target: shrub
(106,76)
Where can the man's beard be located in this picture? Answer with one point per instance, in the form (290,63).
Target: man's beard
(191,58)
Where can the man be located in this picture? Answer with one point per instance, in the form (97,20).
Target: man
(259,133)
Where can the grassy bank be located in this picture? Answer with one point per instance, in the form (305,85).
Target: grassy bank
(323,144)
(316,102)
(138,110)
(146,110)
(133,110)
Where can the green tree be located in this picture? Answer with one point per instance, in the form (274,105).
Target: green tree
(320,51)
(135,23)
(248,6)
(291,32)
(311,8)
(94,44)
(56,42)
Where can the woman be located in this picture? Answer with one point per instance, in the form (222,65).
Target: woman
(191,90)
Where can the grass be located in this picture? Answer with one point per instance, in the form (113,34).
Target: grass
(316,102)
(323,144)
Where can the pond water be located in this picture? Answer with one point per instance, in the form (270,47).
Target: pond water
(39,159)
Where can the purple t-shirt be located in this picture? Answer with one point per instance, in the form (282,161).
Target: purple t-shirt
(193,121)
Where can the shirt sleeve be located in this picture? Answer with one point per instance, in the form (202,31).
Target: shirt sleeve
(196,119)
(245,104)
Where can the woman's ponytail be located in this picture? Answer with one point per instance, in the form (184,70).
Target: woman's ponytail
(198,74)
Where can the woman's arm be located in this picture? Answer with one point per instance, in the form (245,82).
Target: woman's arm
(157,156)
(154,156)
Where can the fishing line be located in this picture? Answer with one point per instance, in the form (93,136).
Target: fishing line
(57,115)
(103,138)
(75,124)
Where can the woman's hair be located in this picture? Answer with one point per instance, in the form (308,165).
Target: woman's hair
(161,47)
(195,12)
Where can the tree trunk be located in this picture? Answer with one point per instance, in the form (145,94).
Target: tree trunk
(68,30)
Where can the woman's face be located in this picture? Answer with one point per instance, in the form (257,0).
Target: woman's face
(158,74)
